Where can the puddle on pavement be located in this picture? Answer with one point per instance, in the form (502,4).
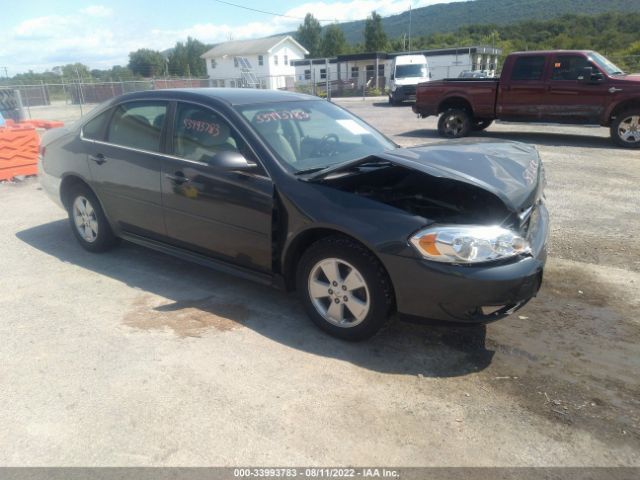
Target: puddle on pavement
(186,318)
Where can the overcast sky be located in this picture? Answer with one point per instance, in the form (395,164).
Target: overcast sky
(41,34)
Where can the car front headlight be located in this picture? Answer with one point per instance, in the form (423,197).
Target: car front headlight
(468,244)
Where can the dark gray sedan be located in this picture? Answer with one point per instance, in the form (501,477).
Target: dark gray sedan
(293,191)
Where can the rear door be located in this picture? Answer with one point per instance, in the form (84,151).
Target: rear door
(125,166)
(570,100)
(521,95)
(208,209)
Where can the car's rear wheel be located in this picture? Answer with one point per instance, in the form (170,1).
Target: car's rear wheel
(344,288)
(479,125)
(455,123)
(625,129)
(88,222)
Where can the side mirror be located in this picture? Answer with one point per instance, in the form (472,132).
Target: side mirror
(587,75)
(231,160)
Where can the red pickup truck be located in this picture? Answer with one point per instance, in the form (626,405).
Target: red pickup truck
(560,86)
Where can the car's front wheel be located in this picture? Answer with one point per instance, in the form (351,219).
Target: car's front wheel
(344,288)
(455,123)
(88,222)
(625,129)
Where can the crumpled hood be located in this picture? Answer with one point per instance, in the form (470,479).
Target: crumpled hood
(512,171)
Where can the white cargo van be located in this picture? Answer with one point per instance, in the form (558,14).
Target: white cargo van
(407,71)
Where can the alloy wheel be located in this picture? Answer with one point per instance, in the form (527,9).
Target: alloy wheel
(453,125)
(85,219)
(629,129)
(339,292)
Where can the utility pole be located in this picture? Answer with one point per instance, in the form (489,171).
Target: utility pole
(409,27)
(6,72)
(327,80)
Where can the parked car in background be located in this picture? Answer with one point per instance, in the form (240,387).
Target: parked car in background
(562,86)
(293,191)
(407,71)
(474,74)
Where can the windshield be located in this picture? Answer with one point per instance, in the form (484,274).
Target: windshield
(605,64)
(308,135)
(413,70)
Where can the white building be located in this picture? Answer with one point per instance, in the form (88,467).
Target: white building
(269,62)
(357,70)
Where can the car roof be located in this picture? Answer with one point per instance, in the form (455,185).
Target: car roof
(231,96)
(549,52)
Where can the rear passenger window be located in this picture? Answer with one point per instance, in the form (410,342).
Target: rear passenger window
(138,125)
(94,129)
(200,134)
(528,68)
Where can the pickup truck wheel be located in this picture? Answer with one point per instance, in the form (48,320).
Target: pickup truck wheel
(479,125)
(625,129)
(455,123)
(344,288)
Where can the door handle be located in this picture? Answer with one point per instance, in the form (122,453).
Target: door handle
(98,158)
(614,90)
(178,178)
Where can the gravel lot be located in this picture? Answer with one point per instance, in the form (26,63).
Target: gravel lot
(136,358)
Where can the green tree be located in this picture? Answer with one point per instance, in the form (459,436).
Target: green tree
(146,62)
(119,72)
(185,59)
(333,42)
(309,35)
(75,70)
(375,38)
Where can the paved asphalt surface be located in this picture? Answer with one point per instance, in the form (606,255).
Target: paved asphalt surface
(136,358)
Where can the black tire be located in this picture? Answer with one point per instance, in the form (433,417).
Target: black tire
(455,123)
(378,286)
(479,125)
(617,127)
(104,237)
(392,101)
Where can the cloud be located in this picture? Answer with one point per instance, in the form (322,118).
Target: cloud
(42,27)
(97,11)
(341,11)
(43,42)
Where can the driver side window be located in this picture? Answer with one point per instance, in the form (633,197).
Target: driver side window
(569,67)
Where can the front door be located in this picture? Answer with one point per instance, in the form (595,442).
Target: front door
(208,209)
(570,100)
(125,167)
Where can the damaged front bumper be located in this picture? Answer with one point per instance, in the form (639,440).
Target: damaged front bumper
(469,293)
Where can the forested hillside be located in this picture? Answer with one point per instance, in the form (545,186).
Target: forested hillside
(448,17)
(616,35)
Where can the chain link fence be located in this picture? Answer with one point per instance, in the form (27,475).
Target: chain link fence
(68,101)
